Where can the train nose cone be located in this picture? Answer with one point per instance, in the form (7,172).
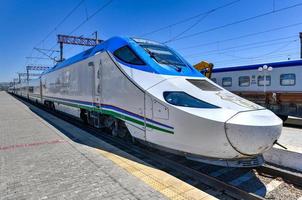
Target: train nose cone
(253,132)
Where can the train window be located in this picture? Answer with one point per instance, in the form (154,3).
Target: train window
(214,80)
(186,100)
(127,55)
(30,89)
(98,89)
(226,81)
(244,81)
(261,80)
(163,55)
(204,85)
(287,79)
(99,74)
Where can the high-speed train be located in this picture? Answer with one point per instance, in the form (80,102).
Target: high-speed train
(147,89)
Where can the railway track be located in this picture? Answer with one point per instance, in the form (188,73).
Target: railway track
(265,182)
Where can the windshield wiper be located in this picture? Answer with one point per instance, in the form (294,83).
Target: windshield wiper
(178,69)
(151,54)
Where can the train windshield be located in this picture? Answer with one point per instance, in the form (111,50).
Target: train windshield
(161,53)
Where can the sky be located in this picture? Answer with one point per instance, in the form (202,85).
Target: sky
(212,30)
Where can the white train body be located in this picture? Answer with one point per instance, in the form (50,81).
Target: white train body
(165,104)
(281,93)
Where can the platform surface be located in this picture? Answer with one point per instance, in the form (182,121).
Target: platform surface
(37,161)
(291,138)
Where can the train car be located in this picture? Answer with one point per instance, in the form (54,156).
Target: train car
(281,91)
(148,90)
(34,90)
(10,90)
(20,89)
(16,88)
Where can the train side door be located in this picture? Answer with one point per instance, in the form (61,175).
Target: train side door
(157,118)
(121,97)
(97,83)
(95,64)
(41,90)
(148,113)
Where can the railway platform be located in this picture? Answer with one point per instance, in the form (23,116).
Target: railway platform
(39,161)
(292,140)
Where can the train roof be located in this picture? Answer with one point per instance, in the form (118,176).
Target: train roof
(256,66)
(115,43)
(85,54)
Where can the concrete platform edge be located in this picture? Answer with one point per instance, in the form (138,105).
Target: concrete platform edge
(284,158)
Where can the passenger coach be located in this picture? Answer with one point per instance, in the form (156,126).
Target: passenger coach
(280,90)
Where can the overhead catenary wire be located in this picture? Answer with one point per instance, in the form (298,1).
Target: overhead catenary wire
(189,28)
(201,19)
(241,50)
(87,19)
(262,58)
(262,55)
(61,22)
(241,36)
(91,16)
(237,22)
(55,28)
(189,18)
(246,45)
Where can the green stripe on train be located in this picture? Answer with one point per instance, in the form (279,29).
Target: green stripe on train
(114,114)
(124,117)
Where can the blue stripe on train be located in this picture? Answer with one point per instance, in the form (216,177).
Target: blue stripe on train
(113,108)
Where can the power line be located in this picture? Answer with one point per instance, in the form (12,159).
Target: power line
(269,53)
(189,18)
(45,54)
(61,22)
(248,44)
(241,57)
(91,16)
(186,30)
(238,22)
(242,36)
(87,19)
(56,27)
(244,49)
(270,56)
(201,19)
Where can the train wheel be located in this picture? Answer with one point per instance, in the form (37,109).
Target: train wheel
(133,140)
(122,133)
(84,116)
(119,129)
(114,128)
(52,106)
(114,132)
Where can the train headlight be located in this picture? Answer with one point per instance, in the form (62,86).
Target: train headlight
(186,100)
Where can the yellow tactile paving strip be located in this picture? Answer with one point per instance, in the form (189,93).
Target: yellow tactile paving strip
(169,186)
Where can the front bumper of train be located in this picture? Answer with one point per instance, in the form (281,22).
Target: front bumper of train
(253,161)
(253,132)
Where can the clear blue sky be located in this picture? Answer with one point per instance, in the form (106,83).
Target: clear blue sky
(24,23)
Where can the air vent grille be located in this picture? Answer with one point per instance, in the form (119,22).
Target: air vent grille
(204,85)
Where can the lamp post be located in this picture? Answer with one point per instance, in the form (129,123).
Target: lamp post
(265,69)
